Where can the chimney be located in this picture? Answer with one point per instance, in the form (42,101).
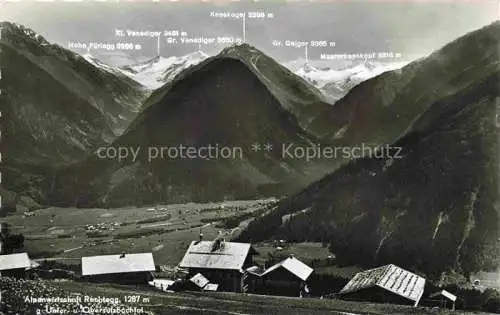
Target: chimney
(122,255)
(292,256)
(201,236)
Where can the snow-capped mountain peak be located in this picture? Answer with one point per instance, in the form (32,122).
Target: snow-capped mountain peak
(155,72)
(152,73)
(197,55)
(307,68)
(335,83)
(101,65)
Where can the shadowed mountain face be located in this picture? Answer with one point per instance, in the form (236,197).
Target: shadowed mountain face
(57,107)
(220,103)
(436,206)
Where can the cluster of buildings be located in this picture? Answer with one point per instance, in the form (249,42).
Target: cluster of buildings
(99,227)
(209,266)
(229,266)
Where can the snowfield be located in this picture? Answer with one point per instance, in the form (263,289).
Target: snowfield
(359,72)
(335,83)
(155,72)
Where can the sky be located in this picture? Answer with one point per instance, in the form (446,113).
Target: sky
(415,27)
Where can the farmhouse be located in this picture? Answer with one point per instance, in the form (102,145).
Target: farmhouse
(222,263)
(15,265)
(123,269)
(386,284)
(288,277)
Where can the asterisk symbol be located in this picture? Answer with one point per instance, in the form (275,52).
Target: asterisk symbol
(268,147)
(256,147)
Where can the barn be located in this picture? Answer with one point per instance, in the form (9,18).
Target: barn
(386,284)
(122,269)
(15,265)
(288,277)
(222,263)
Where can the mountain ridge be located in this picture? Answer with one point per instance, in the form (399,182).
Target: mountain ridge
(304,102)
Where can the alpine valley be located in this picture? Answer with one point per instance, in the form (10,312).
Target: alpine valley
(433,209)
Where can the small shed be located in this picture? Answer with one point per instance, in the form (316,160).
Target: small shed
(123,269)
(211,287)
(199,281)
(162,284)
(15,265)
(386,284)
(445,296)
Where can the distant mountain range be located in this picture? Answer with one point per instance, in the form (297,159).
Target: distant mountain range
(333,83)
(238,98)
(436,207)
